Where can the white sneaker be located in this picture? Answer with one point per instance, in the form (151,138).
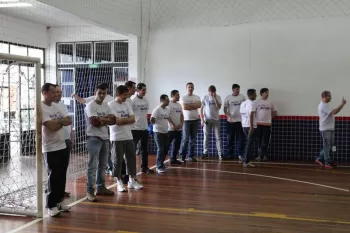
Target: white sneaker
(62,207)
(248,165)
(134,184)
(161,170)
(53,211)
(120,186)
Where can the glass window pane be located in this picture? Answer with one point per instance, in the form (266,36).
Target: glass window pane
(121,51)
(42,77)
(83,53)
(4,48)
(4,107)
(65,53)
(67,76)
(18,50)
(121,75)
(103,52)
(25,100)
(28,120)
(39,53)
(4,75)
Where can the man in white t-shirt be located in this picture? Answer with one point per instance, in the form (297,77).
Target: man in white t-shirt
(211,104)
(139,129)
(87,100)
(160,120)
(131,91)
(327,126)
(265,112)
(56,155)
(98,116)
(190,105)
(67,129)
(232,106)
(107,99)
(176,120)
(248,111)
(122,141)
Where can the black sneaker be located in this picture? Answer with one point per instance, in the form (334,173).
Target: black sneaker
(182,160)
(205,156)
(175,162)
(146,170)
(192,159)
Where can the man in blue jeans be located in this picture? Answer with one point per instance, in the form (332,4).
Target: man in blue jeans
(190,105)
(98,116)
(327,125)
(160,120)
(248,111)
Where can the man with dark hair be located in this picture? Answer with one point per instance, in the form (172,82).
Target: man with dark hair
(176,119)
(139,129)
(107,99)
(122,141)
(190,105)
(232,106)
(87,100)
(248,111)
(56,155)
(210,119)
(98,116)
(159,120)
(69,136)
(265,112)
(130,85)
(327,126)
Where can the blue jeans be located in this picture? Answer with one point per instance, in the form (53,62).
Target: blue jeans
(189,136)
(161,140)
(98,150)
(328,142)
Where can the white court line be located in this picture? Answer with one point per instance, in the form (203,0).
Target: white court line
(265,176)
(71,204)
(275,163)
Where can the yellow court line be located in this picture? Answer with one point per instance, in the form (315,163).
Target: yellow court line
(192,210)
(87,229)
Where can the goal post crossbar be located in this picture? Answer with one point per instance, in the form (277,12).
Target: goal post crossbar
(38,132)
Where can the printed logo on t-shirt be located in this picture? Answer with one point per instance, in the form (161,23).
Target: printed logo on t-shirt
(235,103)
(264,107)
(210,102)
(123,114)
(142,107)
(101,114)
(55,116)
(164,116)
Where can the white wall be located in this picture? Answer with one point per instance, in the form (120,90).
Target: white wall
(22,32)
(295,59)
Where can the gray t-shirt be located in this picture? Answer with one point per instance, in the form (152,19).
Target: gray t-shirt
(326,121)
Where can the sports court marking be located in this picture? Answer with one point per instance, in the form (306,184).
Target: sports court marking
(78,229)
(71,204)
(272,163)
(198,211)
(224,213)
(264,176)
(290,168)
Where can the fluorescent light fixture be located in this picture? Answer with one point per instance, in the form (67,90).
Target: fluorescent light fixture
(15,4)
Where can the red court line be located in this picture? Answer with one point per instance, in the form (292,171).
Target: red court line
(295,118)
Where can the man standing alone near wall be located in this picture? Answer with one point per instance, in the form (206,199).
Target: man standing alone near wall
(327,126)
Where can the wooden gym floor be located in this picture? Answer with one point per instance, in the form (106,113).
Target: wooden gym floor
(210,196)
